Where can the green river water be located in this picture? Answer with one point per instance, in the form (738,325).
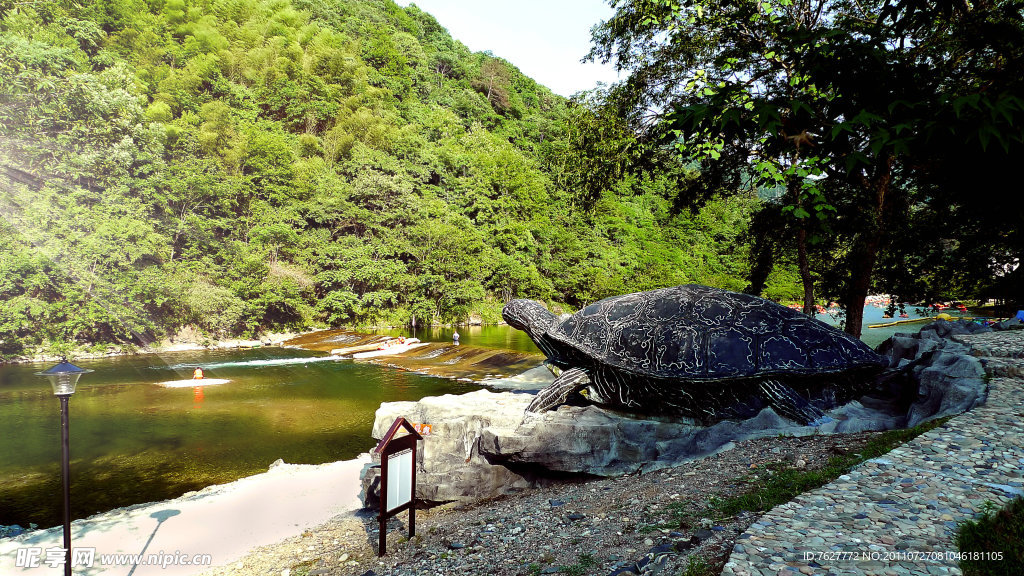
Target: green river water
(134,441)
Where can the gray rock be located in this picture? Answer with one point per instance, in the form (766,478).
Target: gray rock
(483,444)
(949,379)
(927,345)
(592,440)
(1007,324)
(940,395)
(976,328)
(902,348)
(449,465)
(854,417)
(965,367)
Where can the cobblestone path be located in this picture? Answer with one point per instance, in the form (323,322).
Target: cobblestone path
(897,514)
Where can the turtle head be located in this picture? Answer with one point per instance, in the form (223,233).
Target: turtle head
(529,316)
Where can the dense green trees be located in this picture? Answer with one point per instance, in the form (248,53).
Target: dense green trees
(862,115)
(246,165)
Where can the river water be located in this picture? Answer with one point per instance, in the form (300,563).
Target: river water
(134,441)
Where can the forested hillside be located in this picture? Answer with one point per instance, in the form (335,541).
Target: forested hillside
(250,165)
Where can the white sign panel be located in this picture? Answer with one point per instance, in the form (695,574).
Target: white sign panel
(399,479)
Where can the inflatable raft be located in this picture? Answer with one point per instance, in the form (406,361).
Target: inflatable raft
(191,383)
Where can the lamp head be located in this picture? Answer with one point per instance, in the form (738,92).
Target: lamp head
(63,377)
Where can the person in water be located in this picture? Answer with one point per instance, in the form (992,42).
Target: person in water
(197,374)
(455,337)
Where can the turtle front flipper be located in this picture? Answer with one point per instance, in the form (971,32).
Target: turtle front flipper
(569,381)
(788,404)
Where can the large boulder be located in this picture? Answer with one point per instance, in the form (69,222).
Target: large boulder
(450,466)
(595,441)
(949,379)
(484,444)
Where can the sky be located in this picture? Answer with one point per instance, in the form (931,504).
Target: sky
(545,39)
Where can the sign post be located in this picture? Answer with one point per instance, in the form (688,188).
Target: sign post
(397,477)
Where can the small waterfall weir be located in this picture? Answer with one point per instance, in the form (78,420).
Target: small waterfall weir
(464,362)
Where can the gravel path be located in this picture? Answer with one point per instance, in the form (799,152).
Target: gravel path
(596,527)
(898,514)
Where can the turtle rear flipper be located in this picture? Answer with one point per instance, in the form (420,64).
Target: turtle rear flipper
(789,404)
(558,392)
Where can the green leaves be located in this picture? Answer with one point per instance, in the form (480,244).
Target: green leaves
(249,166)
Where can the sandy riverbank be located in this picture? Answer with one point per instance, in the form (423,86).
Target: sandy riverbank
(224,521)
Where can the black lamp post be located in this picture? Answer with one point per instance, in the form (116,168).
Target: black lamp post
(63,377)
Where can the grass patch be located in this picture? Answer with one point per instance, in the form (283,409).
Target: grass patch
(583,562)
(696,566)
(783,483)
(994,542)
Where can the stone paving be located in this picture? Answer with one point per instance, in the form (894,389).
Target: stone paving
(897,514)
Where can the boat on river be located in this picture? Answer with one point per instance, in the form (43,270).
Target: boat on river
(194,382)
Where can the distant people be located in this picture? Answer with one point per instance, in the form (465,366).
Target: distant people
(197,374)
(391,342)
(455,338)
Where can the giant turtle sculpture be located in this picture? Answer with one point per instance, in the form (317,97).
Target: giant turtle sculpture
(697,352)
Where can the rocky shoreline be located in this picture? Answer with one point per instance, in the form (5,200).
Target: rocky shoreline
(177,344)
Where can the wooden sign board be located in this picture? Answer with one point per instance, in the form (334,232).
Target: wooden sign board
(400,474)
(397,477)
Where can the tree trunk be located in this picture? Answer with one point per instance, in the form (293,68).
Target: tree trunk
(861,266)
(764,261)
(763,233)
(805,270)
(801,247)
(865,252)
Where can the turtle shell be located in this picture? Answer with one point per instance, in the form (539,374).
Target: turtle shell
(695,332)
